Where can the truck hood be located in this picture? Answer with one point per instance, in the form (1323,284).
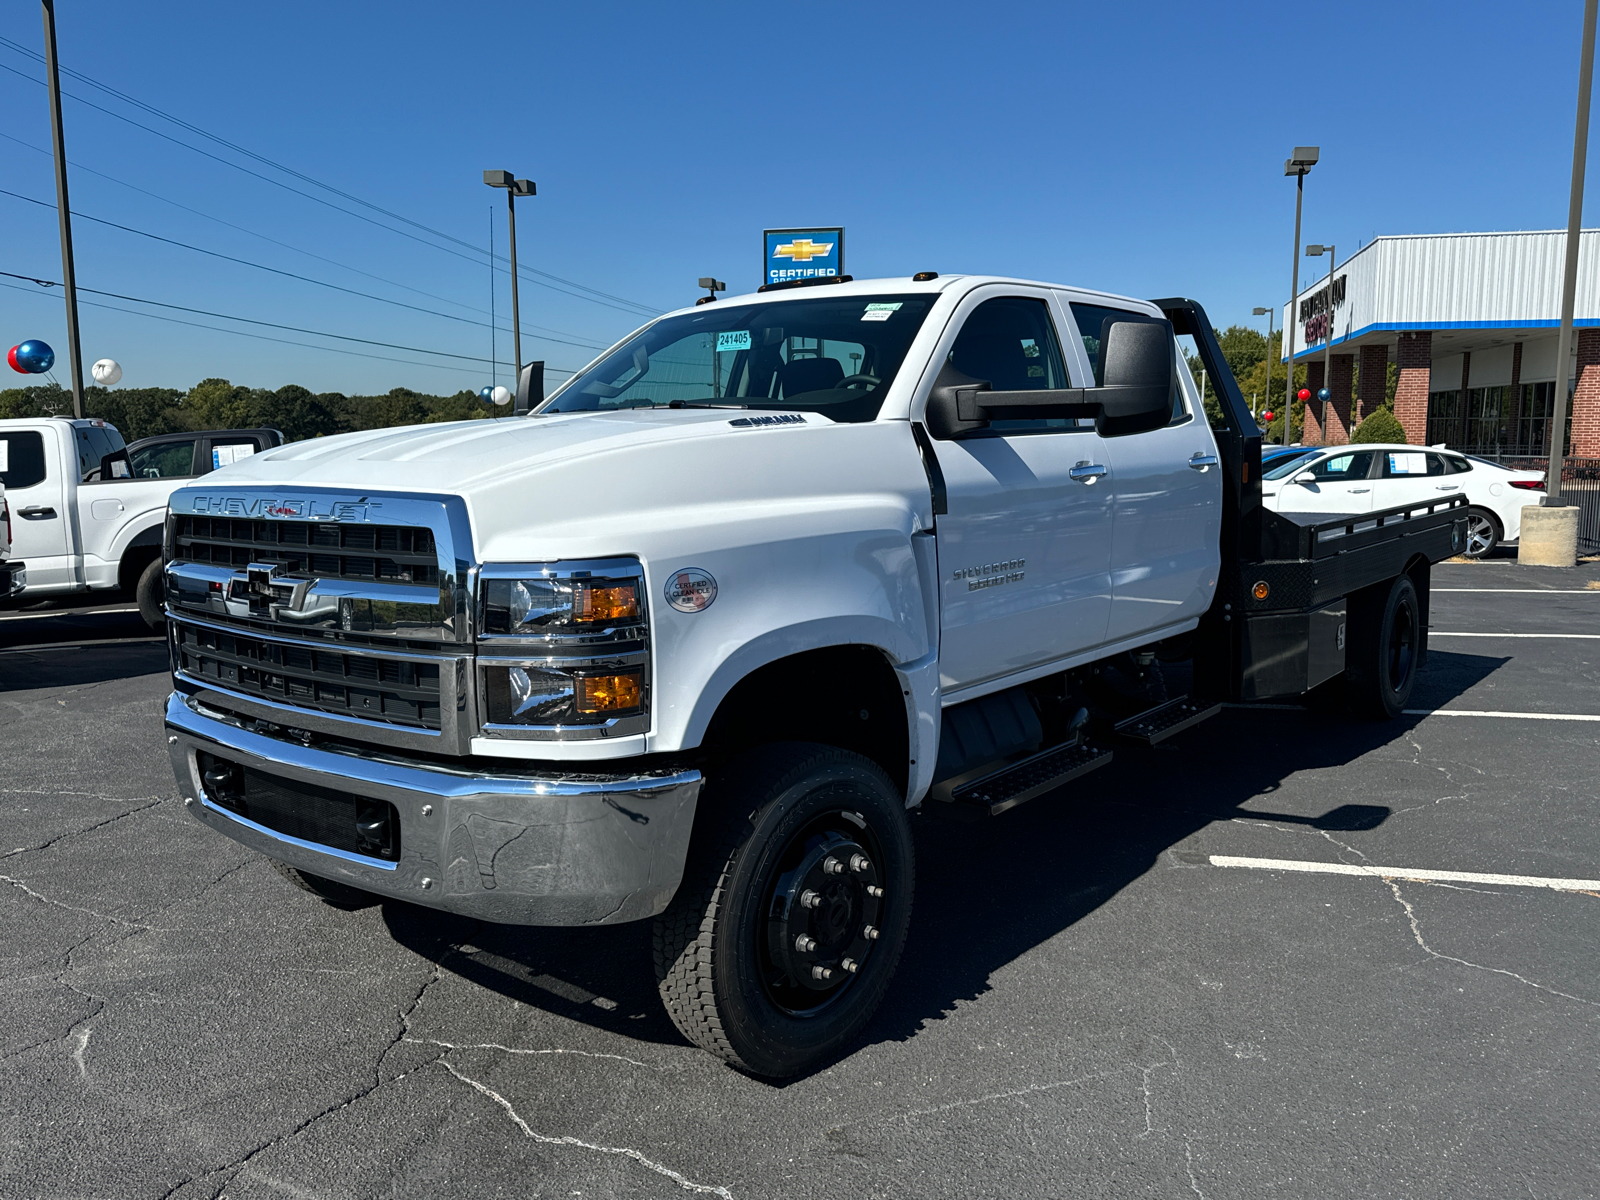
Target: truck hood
(595,483)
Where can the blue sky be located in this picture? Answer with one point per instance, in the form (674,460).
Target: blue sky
(1132,147)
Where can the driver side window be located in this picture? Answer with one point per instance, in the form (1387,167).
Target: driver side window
(1343,467)
(1011,342)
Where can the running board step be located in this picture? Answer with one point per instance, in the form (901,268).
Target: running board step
(1161,722)
(995,789)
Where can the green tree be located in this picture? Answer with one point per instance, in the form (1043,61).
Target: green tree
(1381,426)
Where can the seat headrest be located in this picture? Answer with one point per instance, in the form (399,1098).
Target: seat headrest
(811,375)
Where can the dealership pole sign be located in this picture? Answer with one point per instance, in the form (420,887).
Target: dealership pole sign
(1316,311)
(797,254)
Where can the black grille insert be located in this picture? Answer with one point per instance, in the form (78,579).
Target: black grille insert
(354,824)
(396,553)
(315,677)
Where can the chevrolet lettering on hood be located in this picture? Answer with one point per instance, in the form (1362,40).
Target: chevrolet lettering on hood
(315,509)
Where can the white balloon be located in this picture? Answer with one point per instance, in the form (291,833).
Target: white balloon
(502,395)
(106,372)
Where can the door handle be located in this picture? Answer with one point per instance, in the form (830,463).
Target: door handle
(36,512)
(1086,471)
(1200,460)
(1447,487)
(1359,491)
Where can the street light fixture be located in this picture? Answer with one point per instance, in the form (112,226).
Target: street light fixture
(514,188)
(1316,251)
(1297,164)
(1268,313)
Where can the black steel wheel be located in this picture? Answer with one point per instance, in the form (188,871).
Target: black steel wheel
(1483,533)
(1385,649)
(793,911)
(147,594)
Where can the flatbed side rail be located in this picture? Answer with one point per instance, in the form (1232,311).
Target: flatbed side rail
(1290,539)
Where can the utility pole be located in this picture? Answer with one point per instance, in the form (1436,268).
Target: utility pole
(1304,158)
(514,188)
(1268,313)
(1569,282)
(64,209)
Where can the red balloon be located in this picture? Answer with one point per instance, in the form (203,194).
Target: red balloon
(11,357)
(1305,393)
(1267,415)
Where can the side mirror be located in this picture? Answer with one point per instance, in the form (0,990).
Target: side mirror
(1305,477)
(1137,376)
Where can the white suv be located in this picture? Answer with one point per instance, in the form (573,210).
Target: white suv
(1368,478)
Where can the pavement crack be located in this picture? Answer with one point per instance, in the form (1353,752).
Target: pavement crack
(83,1044)
(1416,932)
(517,1050)
(687,1185)
(1188,1160)
(43,899)
(45,845)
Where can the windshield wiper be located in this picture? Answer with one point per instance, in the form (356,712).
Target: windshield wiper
(698,404)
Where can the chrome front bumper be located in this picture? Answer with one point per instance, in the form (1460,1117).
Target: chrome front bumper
(565,849)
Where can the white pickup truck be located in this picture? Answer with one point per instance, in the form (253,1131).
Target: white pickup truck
(13,571)
(86,515)
(688,640)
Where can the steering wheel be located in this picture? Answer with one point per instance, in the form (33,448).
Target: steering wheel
(861,381)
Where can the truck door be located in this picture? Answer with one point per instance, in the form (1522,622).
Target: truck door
(1025,547)
(41,527)
(1167,491)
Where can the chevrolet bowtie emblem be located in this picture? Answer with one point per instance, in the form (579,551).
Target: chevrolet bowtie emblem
(802,250)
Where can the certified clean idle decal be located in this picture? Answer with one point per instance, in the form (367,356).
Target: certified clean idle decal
(691,590)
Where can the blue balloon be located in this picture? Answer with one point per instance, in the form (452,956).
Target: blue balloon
(486,394)
(35,357)
(1323,393)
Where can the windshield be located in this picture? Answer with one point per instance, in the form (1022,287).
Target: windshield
(1287,464)
(831,355)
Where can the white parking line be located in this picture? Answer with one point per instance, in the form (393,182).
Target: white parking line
(1477,712)
(1328,868)
(1525,591)
(1591,637)
(68,612)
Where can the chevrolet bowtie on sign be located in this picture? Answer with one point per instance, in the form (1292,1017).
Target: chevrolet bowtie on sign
(796,254)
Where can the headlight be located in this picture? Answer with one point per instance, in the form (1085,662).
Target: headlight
(563,650)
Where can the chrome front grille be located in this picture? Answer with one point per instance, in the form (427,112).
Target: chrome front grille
(370,685)
(327,550)
(334,613)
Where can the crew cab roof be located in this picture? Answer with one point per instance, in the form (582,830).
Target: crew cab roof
(904,285)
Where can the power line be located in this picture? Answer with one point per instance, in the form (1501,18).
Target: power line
(280,271)
(344,337)
(595,295)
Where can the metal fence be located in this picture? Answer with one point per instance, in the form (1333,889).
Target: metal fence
(1580,485)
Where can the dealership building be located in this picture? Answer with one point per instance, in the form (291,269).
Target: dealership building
(1471,320)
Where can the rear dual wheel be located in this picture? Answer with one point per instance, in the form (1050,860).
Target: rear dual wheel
(793,911)
(1385,649)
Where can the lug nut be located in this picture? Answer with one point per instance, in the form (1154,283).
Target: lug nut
(870,933)
(874,891)
(822,972)
(187,801)
(832,866)
(427,810)
(860,863)
(851,965)
(805,944)
(426,884)
(172,739)
(809,899)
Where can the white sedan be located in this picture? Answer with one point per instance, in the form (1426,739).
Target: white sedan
(1368,478)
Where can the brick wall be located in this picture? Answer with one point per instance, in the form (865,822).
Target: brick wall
(1337,418)
(1312,434)
(1586,399)
(1414,355)
(1372,382)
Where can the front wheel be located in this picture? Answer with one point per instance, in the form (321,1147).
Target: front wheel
(1385,649)
(1483,533)
(793,912)
(147,594)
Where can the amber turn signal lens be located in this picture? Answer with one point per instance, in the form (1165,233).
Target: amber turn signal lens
(1260,590)
(610,693)
(612,602)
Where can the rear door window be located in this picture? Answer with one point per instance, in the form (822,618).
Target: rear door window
(21,458)
(1412,464)
(164,460)
(223,451)
(1091,320)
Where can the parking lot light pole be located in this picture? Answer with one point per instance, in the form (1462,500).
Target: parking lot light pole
(1303,159)
(1268,314)
(514,188)
(1316,251)
(1569,281)
(69,278)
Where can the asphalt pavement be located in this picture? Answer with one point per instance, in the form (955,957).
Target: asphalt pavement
(1106,992)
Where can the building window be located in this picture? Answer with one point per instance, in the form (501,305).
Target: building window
(1494,420)
(1444,417)
(1533,429)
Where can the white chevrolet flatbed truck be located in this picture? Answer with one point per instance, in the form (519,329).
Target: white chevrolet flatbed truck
(686,641)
